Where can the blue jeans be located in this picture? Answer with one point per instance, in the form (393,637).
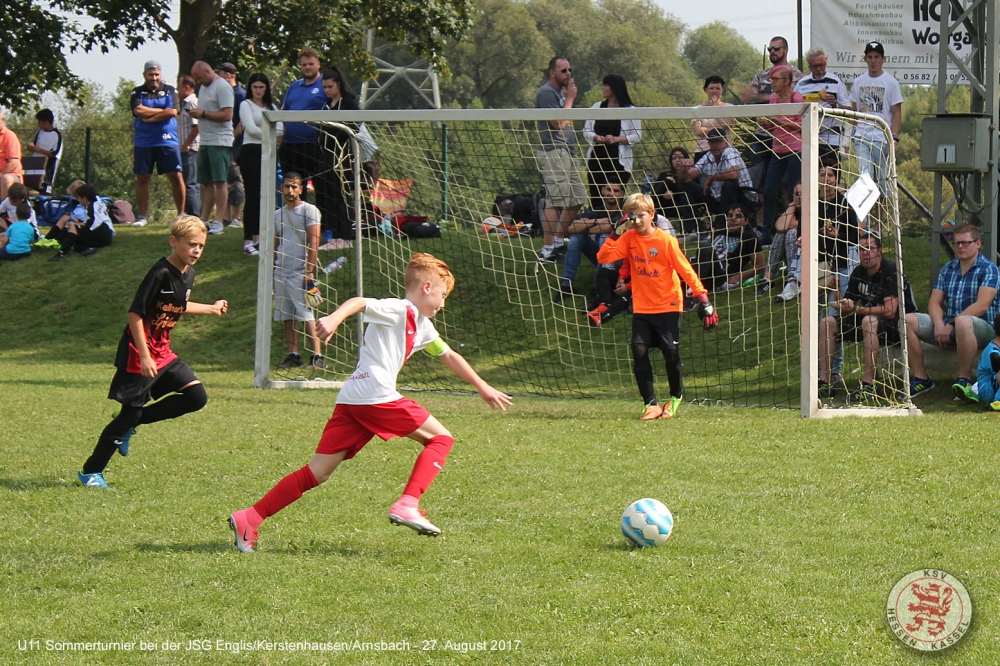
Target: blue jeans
(189,161)
(580,245)
(873,159)
(783,170)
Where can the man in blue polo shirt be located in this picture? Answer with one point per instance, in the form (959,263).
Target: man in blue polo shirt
(960,314)
(299,151)
(154,109)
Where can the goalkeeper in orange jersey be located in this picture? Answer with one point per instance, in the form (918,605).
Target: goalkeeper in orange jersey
(658,265)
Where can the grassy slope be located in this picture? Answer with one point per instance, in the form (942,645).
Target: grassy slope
(789,533)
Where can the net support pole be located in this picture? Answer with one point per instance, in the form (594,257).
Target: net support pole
(809,399)
(265,259)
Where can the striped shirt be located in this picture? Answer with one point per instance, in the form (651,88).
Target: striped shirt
(961,291)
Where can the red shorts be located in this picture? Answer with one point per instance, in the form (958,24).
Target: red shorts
(353,426)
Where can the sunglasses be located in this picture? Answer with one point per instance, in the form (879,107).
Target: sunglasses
(567,70)
(775,49)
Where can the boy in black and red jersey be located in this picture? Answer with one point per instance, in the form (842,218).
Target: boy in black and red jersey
(147,369)
(657,298)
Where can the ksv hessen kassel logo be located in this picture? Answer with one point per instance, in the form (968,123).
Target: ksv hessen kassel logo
(929,610)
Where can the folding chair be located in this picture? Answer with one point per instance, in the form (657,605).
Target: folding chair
(34,171)
(390,196)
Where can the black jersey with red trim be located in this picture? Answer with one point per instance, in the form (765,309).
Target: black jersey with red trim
(160,301)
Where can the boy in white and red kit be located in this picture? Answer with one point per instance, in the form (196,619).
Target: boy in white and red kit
(369,405)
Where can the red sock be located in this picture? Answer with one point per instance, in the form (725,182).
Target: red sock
(429,463)
(285,492)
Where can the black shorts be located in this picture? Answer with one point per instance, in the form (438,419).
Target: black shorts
(662,330)
(133,390)
(850,329)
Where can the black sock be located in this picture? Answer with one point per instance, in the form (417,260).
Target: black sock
(107,443)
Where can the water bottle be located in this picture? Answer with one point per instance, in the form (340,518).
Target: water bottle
(334,265)
(386,226)
(647,187)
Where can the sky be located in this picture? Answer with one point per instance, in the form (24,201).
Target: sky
(757,21)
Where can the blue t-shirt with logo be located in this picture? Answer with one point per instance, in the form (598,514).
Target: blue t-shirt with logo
(20,236)
(163,133)
(302,96)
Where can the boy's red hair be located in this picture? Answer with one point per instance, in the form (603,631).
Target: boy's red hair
(425,266)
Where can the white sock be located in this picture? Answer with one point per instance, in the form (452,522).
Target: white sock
(557,241)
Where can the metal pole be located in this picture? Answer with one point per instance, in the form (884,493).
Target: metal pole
(444,175)
(86,158)
(802,65)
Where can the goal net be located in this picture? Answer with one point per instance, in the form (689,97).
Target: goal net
(466,186)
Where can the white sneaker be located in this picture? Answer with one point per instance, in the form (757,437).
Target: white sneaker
(789,293)
(235,223)
(215,227)
(140,221)
(250,250)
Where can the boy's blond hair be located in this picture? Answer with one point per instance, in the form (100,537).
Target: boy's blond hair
(186,226)
(425,266)
(74,186)
(639,201)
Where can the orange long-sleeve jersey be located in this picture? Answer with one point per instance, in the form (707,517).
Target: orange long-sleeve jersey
(656,260)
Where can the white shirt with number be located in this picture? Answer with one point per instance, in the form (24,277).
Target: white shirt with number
(394,331)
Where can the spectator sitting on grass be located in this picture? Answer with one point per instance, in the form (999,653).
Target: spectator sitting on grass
(17,239)
(87,235)
(17,194)
(988,373)
(735,254)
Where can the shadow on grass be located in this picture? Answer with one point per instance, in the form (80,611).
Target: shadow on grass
(21,485)
(204,547)
(50,383)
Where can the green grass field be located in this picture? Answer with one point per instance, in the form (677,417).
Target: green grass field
(789,534)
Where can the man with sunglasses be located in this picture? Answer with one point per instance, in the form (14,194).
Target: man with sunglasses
(557,159)
(759,92)
(960,314)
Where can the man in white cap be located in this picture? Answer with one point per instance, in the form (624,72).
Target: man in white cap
(154,111)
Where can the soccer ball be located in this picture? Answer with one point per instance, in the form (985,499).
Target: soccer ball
(647,522)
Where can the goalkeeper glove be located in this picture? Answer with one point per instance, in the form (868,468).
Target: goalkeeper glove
(709,317)
(313,298)
(623,225)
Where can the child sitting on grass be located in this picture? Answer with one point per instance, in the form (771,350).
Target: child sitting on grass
(86,235)
(369,405)
(17,194)
(147,368)
(988,372)
(17,239)
(657,299)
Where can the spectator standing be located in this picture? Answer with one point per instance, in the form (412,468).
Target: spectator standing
(557,160)
(960,312)
(335,144)
(759,92)
(187,134)
(830,92)
(154,112)
(48,143)
(234,178)
(215,130)
(784,169)
(714,87)
(10,158)
(609,157)
(299,150)
(876,92)
(251,117)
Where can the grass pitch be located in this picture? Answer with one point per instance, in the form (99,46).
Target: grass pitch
(789,534)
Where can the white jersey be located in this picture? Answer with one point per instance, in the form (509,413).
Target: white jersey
(394,331)
(9,210)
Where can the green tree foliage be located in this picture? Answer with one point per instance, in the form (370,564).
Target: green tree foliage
(30,64)
(503,60)
(718,49)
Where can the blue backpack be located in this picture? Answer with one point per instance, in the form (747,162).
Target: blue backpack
(48,210)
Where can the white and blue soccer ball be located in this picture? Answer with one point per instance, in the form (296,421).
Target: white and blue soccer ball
(647,522)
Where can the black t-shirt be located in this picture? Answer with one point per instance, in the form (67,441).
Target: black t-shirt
(839,213)
(160,301)
(870,291)
(326,132)
(734,248)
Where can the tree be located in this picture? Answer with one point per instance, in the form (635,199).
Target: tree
(717,49)
(270,32)
(28,61)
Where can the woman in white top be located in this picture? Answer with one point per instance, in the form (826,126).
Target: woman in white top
(714,87)
(609,158)
(251,116)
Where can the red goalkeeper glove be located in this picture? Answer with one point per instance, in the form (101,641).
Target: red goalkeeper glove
(709,317)
(624,224)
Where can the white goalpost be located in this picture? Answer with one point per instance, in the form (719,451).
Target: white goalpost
(527,325)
